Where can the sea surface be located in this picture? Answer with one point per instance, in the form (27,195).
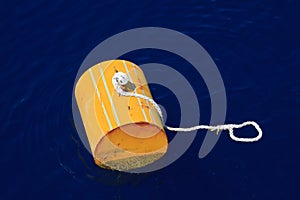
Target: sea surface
(256,46)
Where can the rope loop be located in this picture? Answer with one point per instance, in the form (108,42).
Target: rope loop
(119,79)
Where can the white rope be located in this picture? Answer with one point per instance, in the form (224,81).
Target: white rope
(120,79)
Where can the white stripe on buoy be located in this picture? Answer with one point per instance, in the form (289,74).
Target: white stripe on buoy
(150,110)
(98,95)
(110,99)
(143,111)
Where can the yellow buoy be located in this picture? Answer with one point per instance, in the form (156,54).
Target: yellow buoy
(124,133)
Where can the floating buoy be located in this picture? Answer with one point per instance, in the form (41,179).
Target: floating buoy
(124,133)
(122,121)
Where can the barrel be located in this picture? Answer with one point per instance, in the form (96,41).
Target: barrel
(124,133)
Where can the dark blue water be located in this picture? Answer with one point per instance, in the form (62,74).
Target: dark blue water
(255,45)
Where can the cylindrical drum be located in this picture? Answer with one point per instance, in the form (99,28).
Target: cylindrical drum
(124,133)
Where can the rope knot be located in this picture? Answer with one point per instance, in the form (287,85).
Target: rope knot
(120,78)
